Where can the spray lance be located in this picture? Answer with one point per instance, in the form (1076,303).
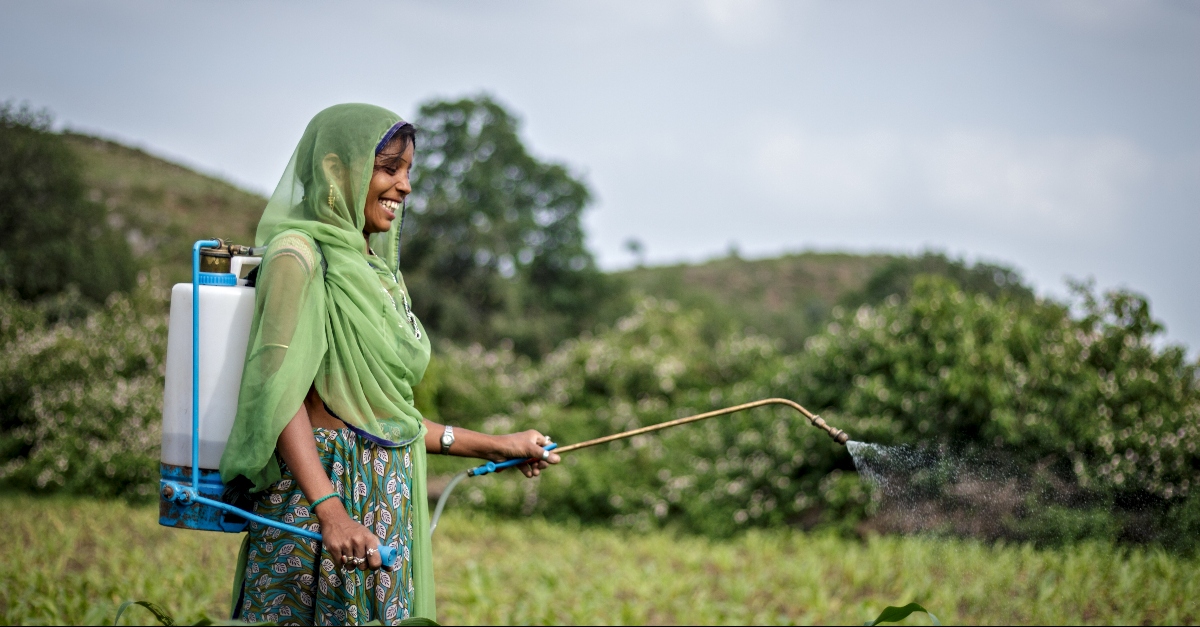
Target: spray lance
(838,436)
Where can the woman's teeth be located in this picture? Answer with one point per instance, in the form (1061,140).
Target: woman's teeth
(391,206)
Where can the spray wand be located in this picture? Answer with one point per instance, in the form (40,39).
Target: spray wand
(838,436)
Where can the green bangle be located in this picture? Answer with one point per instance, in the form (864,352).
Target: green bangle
(317,502)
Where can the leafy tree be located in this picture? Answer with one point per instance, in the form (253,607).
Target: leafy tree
(493,247)
(51,236)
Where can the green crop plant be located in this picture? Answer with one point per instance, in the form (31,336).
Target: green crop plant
(75,561)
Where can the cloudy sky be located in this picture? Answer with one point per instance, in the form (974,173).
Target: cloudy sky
(1061,138)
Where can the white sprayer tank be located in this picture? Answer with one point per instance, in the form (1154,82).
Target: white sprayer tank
(225,316)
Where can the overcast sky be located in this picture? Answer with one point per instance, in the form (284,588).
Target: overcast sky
(1060,138)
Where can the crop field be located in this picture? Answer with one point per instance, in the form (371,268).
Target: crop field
(73,561)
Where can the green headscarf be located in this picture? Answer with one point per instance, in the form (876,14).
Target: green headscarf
(328,313)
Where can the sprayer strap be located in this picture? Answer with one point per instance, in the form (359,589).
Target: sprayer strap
(317,502)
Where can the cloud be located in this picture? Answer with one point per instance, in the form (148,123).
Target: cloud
(1060,187)
(1064,185)
(742,21)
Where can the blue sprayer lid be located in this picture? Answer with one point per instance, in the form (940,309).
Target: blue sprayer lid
(218,278)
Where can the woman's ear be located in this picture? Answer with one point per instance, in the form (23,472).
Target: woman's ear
(335,171)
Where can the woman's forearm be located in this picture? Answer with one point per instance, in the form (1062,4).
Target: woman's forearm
(467,443)
(524,445)
(299,451)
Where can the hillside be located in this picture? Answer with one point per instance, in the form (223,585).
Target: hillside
(163,207)
(786,297)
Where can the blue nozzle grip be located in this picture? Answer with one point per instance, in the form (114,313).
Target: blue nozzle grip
(491,467)
(388,555)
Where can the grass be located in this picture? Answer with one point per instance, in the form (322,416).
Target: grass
(75,561)
(163,207)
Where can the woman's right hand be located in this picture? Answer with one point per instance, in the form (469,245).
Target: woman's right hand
(346,539)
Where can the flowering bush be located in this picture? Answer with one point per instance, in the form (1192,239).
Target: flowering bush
(81,403)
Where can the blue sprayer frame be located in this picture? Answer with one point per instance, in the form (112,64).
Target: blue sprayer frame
(187,495)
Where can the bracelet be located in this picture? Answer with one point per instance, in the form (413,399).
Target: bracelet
(317,502)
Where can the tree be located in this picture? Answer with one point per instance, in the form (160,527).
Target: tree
(51,235)
(493,247)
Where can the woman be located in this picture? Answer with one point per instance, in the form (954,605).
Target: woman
(326,435)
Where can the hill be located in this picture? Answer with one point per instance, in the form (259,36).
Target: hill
(163,207)
(786,297)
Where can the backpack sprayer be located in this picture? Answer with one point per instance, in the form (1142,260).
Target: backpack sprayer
(213,391)
(191,490)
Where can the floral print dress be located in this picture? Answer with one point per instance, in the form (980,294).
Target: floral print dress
(292,580)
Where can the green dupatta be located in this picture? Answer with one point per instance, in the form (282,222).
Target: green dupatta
(328,314)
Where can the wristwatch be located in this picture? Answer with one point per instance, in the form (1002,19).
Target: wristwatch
(447,439)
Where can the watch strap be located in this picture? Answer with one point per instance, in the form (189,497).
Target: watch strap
(447,439)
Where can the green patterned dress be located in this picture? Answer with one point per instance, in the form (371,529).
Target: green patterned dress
(284,582)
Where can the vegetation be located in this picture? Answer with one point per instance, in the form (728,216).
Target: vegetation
(163,207)
(81,402)
(787,298)
(898,277)
(1095,418)
(790,298)
(1090,415)
(494,247)
(51,236)
(74,562)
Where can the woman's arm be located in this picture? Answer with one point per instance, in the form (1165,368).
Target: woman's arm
(342,536)
(496,448)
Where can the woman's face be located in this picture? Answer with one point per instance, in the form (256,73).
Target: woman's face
(389,187)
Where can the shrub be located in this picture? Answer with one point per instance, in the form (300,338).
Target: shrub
(81,403)
(762,468)
(1085,409)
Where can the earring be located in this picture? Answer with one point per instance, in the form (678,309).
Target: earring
(331,197)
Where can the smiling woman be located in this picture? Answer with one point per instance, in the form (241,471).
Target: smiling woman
(327,435)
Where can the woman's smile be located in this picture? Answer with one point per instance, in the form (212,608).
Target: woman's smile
(390,208)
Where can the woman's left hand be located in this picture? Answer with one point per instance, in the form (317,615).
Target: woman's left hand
(526,444)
